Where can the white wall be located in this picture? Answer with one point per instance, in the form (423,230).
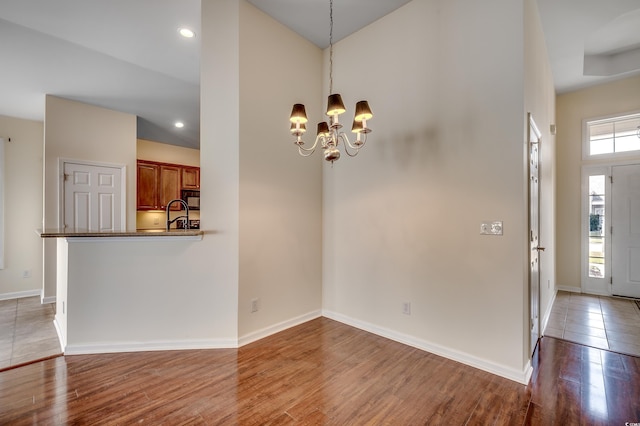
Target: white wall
(618,97)
(445,81)
(135,294)
(280,192)
(540,102)
(23,207)
(78,131)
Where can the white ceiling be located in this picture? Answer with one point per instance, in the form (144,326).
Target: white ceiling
(126,54)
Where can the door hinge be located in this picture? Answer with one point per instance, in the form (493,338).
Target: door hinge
(611,178)
(611,280)
(611,230)
(66,176)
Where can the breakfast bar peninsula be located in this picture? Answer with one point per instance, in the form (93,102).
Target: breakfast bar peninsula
(122,291)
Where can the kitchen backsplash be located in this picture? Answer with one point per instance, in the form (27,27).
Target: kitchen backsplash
(158,220)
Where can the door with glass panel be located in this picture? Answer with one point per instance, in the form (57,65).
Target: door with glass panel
(611,220)
(625,235)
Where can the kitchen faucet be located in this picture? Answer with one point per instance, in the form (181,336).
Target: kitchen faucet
(186,207)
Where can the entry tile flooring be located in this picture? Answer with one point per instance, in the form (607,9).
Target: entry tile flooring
(27,332)
(601,322)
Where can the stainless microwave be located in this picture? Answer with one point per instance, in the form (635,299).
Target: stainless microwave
(192,198)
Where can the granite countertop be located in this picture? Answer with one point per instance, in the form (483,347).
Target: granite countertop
(83,233)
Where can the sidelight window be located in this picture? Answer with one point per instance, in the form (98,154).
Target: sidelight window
(596,226)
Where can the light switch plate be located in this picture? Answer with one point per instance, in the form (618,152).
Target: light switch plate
(491,228)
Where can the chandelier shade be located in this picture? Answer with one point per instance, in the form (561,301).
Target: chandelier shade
(298,127)
(357,126)
(323,129)
(335,106)
(363,112)
(298,114)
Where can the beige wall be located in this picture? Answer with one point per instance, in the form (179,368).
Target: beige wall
(618,97)
(77,131)
(447,152)
(280,192)
(164,153)
(23,207)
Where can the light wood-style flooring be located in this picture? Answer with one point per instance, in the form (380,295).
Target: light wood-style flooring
(599,321)
(27,332)
(321,372)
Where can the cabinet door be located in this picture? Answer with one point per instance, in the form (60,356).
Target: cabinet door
(170,185)
(147,192)
(191,177)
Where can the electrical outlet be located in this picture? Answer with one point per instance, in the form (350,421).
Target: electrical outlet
(491,228)
(255,305)
(156,220)
(406,308)
(26,273)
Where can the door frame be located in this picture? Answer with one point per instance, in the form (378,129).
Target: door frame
(123,184)
(532,130)
(592,285)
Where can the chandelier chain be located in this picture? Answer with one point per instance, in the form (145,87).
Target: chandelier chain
(330,46)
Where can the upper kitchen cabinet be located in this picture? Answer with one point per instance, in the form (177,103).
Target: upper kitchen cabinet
(191,177)
(169,185)
(148,184)
(159,183)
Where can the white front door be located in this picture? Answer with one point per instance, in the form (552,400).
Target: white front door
(625,237)
(93,197)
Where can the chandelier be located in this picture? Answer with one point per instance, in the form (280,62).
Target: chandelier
(329,135)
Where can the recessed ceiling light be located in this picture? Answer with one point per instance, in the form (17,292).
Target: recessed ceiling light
(186,33)
(179,124)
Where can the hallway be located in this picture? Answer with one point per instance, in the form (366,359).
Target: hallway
(27,331)
(602,322)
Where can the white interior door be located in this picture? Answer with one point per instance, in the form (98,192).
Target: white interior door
(534,230)
(625,237)
(93,197)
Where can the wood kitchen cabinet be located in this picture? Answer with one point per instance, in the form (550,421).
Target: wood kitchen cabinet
(169,185)
(159,183)
(148,184)
(191,177)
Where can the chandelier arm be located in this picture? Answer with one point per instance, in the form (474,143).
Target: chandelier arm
(311,150)
(356,147)
(347,145)
(305,152)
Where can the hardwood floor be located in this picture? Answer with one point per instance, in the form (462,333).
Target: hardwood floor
(321,372)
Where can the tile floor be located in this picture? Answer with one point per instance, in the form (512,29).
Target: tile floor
(27,332)
(597,321)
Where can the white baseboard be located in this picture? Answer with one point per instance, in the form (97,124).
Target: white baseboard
(569,289)
(20,294)
(276,328)
(545,319)
(520,376)
(50,299)
(61,338)
(114,347)
(105,348)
